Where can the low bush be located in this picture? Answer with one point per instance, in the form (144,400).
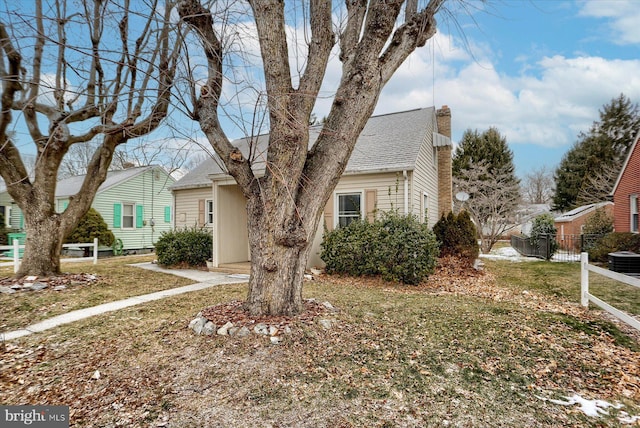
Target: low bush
(91,226)
(612,242)
(457,236)
(599,223)
(544,225)
(189,246)
(399,248)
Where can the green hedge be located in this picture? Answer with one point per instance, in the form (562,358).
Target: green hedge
(399,248)
(457,236)
(612,242)
(190,246)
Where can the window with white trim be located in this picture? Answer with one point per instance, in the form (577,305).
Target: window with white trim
(209,211)
(349,208)
(633,208)
(128,216)
(425,207)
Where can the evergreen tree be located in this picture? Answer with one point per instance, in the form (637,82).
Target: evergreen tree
(91,226)
(483,168)
(489,147)
(587,172)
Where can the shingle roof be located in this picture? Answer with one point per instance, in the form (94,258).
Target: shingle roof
(387,142)
(71,186)
(577,212)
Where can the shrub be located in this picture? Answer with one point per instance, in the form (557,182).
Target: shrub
(457,236)
(612,242)
(3,231)
(190,246)
(599,223)
(399,248)
(91,226)
(544,224)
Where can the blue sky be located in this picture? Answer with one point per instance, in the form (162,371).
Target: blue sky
(539,71)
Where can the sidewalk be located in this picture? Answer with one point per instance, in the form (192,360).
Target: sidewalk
(205,280)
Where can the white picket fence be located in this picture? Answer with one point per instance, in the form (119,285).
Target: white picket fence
(586,297)
(16,247)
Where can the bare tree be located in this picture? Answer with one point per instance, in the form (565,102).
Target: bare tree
(87,69)
(493,200)
(598,184)
(538,186)
(285,204)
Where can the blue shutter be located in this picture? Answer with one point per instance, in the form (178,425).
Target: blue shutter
(65,204)
(139,216)
(167,214)
(117,215)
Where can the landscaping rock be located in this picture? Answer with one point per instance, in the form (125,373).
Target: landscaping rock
(243,332)
(224,330)
(209,328)
(197,324)
(233,331)
(325,323)
(261,328)
(329,306)
(275,340)
(7,290)
(60,287)
(38,286)
(273,331)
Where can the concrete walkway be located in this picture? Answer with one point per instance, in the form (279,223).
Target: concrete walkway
(205,280)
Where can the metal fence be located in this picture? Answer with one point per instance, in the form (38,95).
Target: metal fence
(566,248)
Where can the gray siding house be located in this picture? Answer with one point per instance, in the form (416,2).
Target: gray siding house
(401,161)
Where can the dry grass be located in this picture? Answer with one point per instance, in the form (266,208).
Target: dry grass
(461,350)
(116,281)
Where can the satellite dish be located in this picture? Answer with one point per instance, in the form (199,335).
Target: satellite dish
(462,196)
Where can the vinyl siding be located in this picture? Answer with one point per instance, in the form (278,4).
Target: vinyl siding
(388,186)
(425,179)
(187,206)
(148,192)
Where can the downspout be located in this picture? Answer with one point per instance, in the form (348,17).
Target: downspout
(406,191)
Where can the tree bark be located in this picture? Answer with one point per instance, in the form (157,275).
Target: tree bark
(140,104)
(285,205)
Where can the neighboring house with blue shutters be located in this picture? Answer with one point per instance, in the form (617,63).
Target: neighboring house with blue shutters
(135,203)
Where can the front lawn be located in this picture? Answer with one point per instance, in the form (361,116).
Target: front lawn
(461,350)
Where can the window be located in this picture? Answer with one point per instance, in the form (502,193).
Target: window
(633,208)
(425,207)
(349,208)
(209,212)
(128,215)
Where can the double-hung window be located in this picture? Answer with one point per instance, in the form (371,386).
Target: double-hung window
(349,208)
(633,208)
(128,216)
(209,211)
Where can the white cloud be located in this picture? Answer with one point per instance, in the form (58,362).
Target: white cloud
(623,17)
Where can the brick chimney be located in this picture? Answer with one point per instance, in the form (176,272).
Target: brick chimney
(445,192)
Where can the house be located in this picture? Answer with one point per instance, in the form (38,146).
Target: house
(135,203)
(626,190)
(570,224)
(401,161)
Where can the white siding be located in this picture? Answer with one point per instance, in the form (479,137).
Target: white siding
(425,180)
(187,206)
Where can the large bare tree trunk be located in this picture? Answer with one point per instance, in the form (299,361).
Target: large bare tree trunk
(285,205)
